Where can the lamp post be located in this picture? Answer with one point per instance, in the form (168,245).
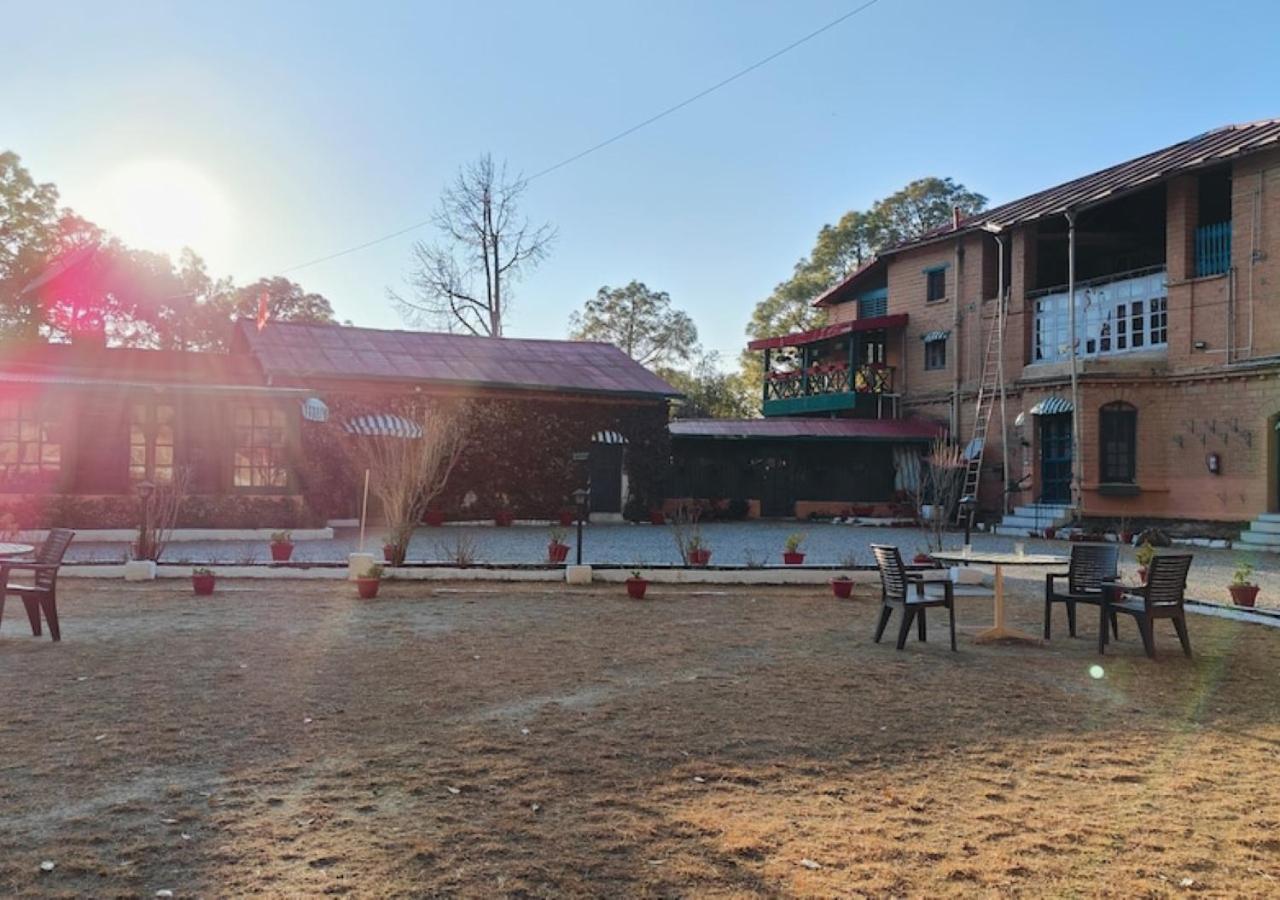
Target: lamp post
(145,490)
(968,506)
(580,497)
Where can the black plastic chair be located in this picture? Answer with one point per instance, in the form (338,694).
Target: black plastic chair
(1162,597)
(1091,566)
(895,582)
(41,594)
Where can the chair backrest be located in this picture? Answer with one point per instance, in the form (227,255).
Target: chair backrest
(50,554)
(1167,580)
(893,574)
(1091,564)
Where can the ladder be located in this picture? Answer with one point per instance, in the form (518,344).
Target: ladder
(989,388)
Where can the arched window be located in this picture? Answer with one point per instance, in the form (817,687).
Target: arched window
(1118,443)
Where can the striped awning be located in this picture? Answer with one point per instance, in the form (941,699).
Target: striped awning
(383,425)
(935,336)
(1052,406)
(315,410)
(607,437)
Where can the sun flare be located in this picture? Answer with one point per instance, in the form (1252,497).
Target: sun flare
(165,205)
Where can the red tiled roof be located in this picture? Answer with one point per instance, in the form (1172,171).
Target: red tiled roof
(911,429)
(827,332)
(85,363)
(300,351)
(833,294)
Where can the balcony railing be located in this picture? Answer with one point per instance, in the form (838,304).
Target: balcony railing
(1213,249)
(834,378)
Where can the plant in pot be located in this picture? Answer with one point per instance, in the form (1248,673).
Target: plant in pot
(557,549)
(791,555)
(434,517)
(503,518)
(281,545)
(699,553)
(657,517)
(1050,532)
(202,581)
(922,559)
(1243,591)
(367,584)
(636,586)
(1143,556)
(1124,532)
(565,517)
(842,584)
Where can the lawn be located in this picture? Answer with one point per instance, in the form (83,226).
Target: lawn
(282,737)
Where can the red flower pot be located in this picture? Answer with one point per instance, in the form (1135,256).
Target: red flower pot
(636,588)
(656,517)
(1142,573)
(922,559)
(556,552)
(842,587)
(203,585)
(1126,537)
(699,557)
(566,518)
(1243,594)
(792,559)
(367,588)
(281,552)
(503,518)
(434,517)
(1050,533)
(388,552)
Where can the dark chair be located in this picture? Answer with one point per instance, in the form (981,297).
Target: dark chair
(895,584)
(1162,597)
(39,593)
(1091,566)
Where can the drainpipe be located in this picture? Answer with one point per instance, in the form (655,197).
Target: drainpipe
(955,330)
(1074,355)
(1000,324)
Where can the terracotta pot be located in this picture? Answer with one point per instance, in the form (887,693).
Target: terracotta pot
(636,588)
(203,584)
(656,517)
(699,557)
(842,587)
(434,517)
(792,558)
(566,518)
(367,588)
(388,552)
(1126,537)
(922,559)
(503,518)
(281,552)
(556,552)
(1243,594)
(1050,533)
(1142,573)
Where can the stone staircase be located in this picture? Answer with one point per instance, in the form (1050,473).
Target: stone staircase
(1263,534)
(1036,517)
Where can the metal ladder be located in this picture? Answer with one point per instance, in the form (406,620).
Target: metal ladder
(989,387)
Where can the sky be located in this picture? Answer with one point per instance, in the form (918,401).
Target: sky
(294,130)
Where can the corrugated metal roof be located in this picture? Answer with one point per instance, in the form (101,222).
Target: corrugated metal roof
(829,331)
(910,429)
(291,350)
(86,364)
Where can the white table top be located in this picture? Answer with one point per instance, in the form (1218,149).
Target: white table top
(15,549)
(993,558)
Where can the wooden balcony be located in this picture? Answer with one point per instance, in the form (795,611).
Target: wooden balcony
(827,388)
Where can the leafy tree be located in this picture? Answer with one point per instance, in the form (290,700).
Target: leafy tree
(465,283)
(641,322)
(709,392)
(29,230)
(842,248)
(286,302)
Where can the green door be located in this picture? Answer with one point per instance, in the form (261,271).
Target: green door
(1055,458)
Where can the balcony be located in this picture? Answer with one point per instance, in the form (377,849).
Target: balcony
(826,387)
(1115,314)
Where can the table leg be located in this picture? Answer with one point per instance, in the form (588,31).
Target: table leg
(999,631)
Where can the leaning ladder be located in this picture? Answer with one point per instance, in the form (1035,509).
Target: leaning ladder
(989,387)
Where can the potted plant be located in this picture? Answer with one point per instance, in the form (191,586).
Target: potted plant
(1243,591)
(368,583)
(699,553)
(636,586)
(1143,556)
(434,517)
(1124,532)
(657,517)
(792,555)
(202,581)
(557,549)
(565,517)
(1050,532)
(922,559)
(842,586)
(503,518)
(281,545)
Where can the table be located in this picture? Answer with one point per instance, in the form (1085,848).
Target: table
(7,550)
(999,631)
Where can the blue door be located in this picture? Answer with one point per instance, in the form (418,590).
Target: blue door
(1055,458)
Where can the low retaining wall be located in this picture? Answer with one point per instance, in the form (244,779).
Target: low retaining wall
(183,535)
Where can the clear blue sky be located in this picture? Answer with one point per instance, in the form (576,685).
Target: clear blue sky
(327,124)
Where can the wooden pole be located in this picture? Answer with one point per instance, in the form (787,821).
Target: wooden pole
(364,508)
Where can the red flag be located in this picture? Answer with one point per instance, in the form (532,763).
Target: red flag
(263,312)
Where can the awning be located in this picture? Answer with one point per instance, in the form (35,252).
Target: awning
(607,437)
(935,336)
(315,410)
(383,425)
(1052,406)
(830,331)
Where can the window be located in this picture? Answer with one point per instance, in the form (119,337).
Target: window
(873,304)
(259,460)
(1114,317)
(151,443)
(29,447)
(1118,431)
(935,354)
(935,285)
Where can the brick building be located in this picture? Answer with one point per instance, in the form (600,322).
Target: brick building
(1167,402)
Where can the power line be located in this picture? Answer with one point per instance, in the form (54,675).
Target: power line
(615,138)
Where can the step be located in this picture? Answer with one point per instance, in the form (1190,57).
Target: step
(1265,526)
(1015,531)
(1258,540)
(1026,522)
(1042,509)
(1272,518)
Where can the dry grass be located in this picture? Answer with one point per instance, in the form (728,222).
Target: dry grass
(286,739)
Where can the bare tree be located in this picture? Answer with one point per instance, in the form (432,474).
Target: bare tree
(161,504)
(464,282)
(407,473)
(939,487)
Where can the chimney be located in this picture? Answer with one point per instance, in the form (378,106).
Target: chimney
(955,218)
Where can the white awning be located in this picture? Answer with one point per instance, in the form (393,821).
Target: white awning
(315,410)
(1052,406)
(607,437)
(935,336)
(383,425)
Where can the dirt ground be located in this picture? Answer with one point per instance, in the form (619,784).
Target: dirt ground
(283,738)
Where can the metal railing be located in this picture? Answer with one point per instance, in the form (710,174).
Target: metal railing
(1213,249)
